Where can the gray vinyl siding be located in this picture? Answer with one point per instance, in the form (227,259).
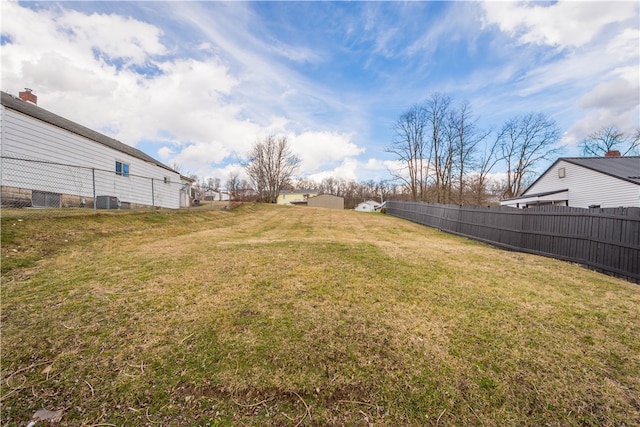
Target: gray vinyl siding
(25,137)
(588,187)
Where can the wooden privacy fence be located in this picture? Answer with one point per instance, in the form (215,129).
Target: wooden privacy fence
(607,240)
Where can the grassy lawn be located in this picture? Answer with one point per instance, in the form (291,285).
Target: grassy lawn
(266,315)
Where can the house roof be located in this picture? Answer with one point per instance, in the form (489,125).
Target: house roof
(625,168)
(327,195)
(546,193)
(16,104)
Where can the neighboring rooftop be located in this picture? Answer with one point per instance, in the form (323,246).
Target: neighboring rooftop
(529,196)
(626,168)
(17,104)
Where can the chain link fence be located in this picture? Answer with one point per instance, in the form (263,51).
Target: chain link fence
(38,183)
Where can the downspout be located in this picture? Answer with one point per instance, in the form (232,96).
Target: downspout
(93,179)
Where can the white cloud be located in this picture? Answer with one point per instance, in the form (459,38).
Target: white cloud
(347,170)
(319,149)
(561,24)
(618,96)
(224,173)
(113,35)
(459,22)
(113,73)
(591,68)
(353,169)
(612,101)
(201,153)
(185,103)
(165,153)
(267,86)
(375,169)
(198,82)
(615,102)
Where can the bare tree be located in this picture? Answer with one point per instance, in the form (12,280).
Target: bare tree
(212,183)
(233,185)
(484,164)
(388,189)
(437,109)
(609,138)
(467,138)
(409,147)
(239,189)
(176,167)
(271,166)
(446,161)
(329,185)
(524,142)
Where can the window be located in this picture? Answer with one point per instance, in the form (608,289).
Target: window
(122,169)
(561,173)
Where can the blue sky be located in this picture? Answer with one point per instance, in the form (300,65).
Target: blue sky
(196,83)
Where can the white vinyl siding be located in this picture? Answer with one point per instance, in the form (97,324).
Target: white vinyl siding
(28,138)
(587,187)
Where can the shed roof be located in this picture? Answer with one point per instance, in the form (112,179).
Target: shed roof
(546,193)
(325,195)
(538,197)
(298,191)
(16,104)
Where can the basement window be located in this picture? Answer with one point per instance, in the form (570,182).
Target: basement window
(122,169)
(44,199)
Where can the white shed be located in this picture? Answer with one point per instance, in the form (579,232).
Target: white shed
(48,160)
(368,206)
(584,182)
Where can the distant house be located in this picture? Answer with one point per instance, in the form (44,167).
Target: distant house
(585,182)
(369,206)
(295,197)
(328,201)
(186,184)
(220,194)
(50,161)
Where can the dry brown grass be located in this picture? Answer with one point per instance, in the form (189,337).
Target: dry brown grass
(294,316)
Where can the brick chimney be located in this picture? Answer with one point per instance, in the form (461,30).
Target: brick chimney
(612,153)
(28,96)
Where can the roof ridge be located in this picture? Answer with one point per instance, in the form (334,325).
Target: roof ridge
(601,157)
